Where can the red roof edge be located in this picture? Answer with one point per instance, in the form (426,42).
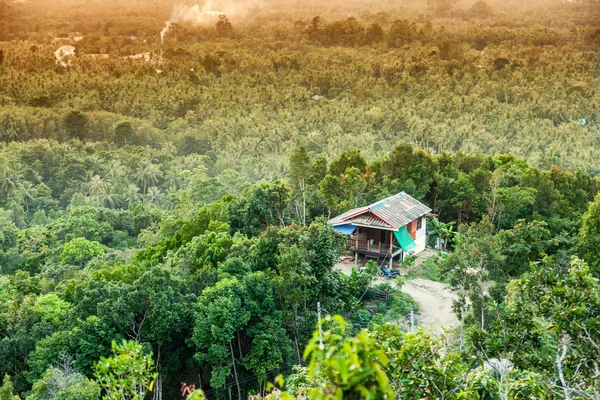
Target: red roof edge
(356,214)
(372,212)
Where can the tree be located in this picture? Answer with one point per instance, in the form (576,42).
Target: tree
(473,263)
(76,124)
(330,187)
(354,185)
(444,231)
(480,9)
(422,364)
(123,134)
(224,27)
(589,236)
(6,390)
(406,166)
(64,383)
(348,159)
(128,374)
(219,317)
(374,33)
(549,322)
(79,251)
(526,243)
(299,173)
(346,368)
(441,8)
(147,174)
(258,207)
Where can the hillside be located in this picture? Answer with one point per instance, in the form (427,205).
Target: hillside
(169,171)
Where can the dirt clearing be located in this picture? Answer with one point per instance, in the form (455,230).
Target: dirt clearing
(434,300)
(435,303)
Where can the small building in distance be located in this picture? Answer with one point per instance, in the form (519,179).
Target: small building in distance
(386,230)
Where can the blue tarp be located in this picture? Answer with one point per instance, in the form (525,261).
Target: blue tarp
(345,229)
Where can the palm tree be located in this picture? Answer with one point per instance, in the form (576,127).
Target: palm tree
(154,196)
(96,163)
(148,173)
(8,181)
(171,197)
(110,199)
(132,194)
(97,188)
(25,194)
(116,171)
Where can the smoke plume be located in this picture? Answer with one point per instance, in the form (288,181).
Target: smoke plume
(208,13)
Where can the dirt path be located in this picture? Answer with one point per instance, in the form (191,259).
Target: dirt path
(435,303)
(434,299)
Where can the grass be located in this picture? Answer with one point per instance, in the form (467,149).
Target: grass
(396,309)
(428,269)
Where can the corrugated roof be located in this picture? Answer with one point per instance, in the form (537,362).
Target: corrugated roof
(370,220)
(393,212)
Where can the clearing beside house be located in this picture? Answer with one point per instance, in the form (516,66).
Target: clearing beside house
(434,298)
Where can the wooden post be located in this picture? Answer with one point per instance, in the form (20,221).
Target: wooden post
(391,250)
(356,247)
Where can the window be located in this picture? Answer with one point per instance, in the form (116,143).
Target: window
(419,223)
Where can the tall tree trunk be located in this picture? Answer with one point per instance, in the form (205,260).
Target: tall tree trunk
(158,386)
(297,348)
(237,382)
(239,343)
(560,357)
(303,204)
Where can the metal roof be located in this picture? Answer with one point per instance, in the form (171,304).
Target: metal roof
(391,213)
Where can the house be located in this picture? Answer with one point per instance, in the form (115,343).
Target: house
(386,230)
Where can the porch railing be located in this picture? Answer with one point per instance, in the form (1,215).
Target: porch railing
(365,245)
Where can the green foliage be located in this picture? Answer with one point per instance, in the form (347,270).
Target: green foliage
(422,365)
(351,368)
(79,251)
(128,374)
(7,390)
(428,269)
(64,384)
(475,261)
(546,324)
(259,207)
(176,199)
(589,236)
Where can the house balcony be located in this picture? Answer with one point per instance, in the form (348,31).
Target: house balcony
(370,248)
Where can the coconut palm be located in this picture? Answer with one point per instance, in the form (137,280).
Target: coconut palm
(24,194)
(8,180)
(110,199)
(131,195)
(97,186)
(153,196)
(148,173)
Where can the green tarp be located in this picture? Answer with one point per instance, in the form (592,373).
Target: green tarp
(406,241)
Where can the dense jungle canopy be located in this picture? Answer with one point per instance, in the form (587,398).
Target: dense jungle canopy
(167,172)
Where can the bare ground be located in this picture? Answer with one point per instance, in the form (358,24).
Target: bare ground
(434,298)
(435,303)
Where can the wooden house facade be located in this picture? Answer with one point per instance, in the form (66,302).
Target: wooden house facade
(388,229)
